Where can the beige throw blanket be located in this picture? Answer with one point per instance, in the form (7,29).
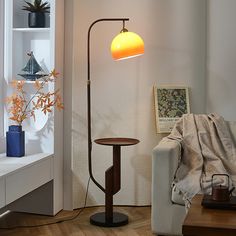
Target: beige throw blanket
(207,149)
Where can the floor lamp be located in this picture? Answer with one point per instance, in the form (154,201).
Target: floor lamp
(125,45)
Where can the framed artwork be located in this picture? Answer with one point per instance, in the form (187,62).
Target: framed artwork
(171,102)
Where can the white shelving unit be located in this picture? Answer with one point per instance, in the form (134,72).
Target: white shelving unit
(17,178)
(45,135)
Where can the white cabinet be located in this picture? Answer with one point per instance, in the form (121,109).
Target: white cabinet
(46,134)
(20,176)
(27,179)
(2,193)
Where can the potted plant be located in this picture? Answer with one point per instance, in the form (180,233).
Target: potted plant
(37,10)
(20,109)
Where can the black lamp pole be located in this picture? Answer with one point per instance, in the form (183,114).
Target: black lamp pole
(112,174)
(89,98)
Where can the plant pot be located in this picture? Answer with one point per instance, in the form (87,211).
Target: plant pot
(36,19)
(15,141)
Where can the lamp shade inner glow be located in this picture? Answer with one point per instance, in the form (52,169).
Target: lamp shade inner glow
(126,45)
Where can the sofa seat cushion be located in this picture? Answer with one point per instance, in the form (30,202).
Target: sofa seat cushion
(177,196)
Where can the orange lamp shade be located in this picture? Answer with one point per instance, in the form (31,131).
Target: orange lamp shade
(125,45)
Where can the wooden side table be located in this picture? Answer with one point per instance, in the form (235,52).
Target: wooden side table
(201,221)
(112,185)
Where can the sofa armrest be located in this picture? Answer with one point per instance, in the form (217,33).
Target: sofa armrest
(165,158)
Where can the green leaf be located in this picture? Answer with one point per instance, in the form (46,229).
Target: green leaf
(37,6)
(44,4)
(29,4)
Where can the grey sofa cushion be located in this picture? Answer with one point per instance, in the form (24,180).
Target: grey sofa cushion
(176,196)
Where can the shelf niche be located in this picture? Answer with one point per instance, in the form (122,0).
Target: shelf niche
(20,17)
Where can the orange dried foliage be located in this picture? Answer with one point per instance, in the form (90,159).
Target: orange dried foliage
(20,109)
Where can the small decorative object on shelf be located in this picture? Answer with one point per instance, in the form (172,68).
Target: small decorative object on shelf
(15,141)
(37,10)
(20,109)
(32,70)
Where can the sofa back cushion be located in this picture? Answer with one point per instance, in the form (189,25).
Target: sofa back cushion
(232,130)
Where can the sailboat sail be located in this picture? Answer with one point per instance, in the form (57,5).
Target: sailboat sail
(33,69)
(32,65)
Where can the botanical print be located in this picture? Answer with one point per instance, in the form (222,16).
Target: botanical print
(170,104)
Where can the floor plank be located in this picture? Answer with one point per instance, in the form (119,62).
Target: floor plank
(139,223)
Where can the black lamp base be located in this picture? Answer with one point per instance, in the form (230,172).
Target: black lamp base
(99,219)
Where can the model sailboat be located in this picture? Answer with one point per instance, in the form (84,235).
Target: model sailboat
(32,70)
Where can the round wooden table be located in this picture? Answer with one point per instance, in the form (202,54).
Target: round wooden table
(112,184)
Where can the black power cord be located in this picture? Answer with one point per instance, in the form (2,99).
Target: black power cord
(54,222)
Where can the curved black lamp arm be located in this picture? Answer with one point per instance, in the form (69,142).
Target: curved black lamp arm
(89,98)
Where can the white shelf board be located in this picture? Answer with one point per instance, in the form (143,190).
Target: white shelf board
(39,30)
(29,81)
(33,81)
(9,165)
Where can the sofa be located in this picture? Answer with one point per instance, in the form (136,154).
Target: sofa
(166,216)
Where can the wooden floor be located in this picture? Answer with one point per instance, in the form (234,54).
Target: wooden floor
(139,223)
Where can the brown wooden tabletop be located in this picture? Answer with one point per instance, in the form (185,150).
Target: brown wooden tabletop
(117,141)
(201,221)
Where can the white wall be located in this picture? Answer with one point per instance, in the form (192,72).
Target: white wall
(122,99)
(2,138)
(221,58)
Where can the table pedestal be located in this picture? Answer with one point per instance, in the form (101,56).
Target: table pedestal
(112,185)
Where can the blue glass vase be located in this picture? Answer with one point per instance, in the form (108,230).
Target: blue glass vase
(15,141)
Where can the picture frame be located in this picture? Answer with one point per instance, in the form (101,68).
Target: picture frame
(171,102)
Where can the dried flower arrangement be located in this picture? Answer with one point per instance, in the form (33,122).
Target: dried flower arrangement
(20,108)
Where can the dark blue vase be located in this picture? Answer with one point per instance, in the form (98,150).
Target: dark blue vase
(15,141)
